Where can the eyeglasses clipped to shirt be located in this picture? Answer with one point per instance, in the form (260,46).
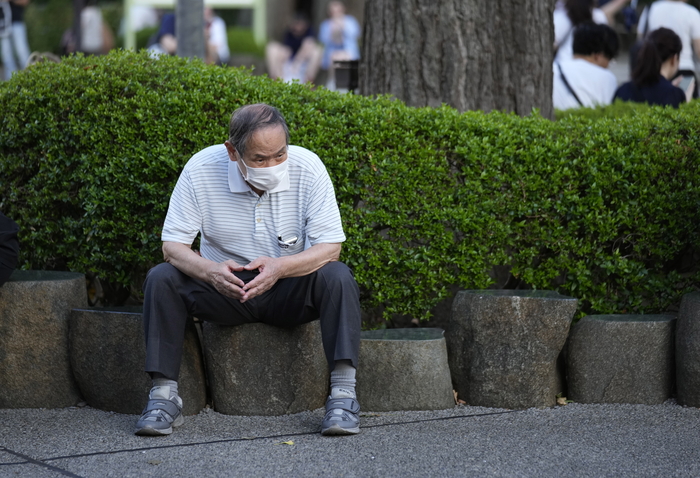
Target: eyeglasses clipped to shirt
(286,243)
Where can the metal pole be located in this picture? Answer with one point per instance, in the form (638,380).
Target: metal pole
(129,33)
(260,22)
(189,28)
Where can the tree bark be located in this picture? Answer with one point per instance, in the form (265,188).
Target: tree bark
(189,28)
(469,54)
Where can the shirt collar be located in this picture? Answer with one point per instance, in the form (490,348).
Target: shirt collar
(237,184)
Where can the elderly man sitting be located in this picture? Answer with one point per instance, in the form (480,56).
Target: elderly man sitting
(271,236)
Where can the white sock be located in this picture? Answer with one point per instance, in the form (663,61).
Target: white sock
(343,380)
(164,388)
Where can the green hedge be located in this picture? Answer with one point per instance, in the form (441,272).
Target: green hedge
(618,109)
(242,41)
(603,210)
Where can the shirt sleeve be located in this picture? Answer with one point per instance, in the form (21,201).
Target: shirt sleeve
(219,38)
(324,34)
(642,23)
(695,27)
(323,223)
(562,25)
(599,16)
(183,221)
(352,28)
(609,89)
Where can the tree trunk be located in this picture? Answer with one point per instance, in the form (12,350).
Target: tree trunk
(189,28)
(470,54)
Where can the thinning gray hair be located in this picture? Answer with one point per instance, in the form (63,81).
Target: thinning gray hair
(248,119)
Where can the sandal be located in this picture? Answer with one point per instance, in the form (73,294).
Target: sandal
(160,416)
(341,417)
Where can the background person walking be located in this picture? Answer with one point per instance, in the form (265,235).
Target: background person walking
(13,38)
(585,80)
(339,35)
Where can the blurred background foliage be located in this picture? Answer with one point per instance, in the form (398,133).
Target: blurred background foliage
(48,20)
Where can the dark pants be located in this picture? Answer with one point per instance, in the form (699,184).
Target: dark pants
(329,294)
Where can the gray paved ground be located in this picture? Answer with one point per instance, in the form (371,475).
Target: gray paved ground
(575,440)
(620,67)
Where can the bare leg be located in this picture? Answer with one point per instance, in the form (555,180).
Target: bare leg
(276,55)
(310,54)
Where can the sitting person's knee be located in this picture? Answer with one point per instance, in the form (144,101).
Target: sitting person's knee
(337,271)
(161,272)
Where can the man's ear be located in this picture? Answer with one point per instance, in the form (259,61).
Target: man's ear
(231,150)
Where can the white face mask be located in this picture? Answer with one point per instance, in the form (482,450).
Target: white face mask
(266,179)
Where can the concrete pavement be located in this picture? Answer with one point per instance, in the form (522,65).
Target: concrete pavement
(573,440)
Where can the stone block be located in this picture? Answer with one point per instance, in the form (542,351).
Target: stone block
(108,353)
(688,351)
(34,365)
(404,369)
(621,359)
(258,369)
(503,346)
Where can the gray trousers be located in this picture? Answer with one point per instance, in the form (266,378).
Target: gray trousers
(329,294)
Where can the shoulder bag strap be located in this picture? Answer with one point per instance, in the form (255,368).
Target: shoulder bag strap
(568,86)
(646,22)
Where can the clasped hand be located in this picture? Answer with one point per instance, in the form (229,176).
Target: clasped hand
(222,277)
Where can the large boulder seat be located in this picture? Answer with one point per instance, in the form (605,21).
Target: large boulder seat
(258,369)
(621,358)
(688,351)
(503,346)
(108,352)
(35,367)
(404,369)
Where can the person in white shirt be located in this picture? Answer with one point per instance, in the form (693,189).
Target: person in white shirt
(270,241)
(13,36)
(684,20)
(567,16)
(585,80)
(141,16)
(218,37)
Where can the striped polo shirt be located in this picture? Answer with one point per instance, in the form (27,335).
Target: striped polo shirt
(212,197)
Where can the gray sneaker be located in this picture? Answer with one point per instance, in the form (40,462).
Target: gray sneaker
(162,413)
(341,417)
